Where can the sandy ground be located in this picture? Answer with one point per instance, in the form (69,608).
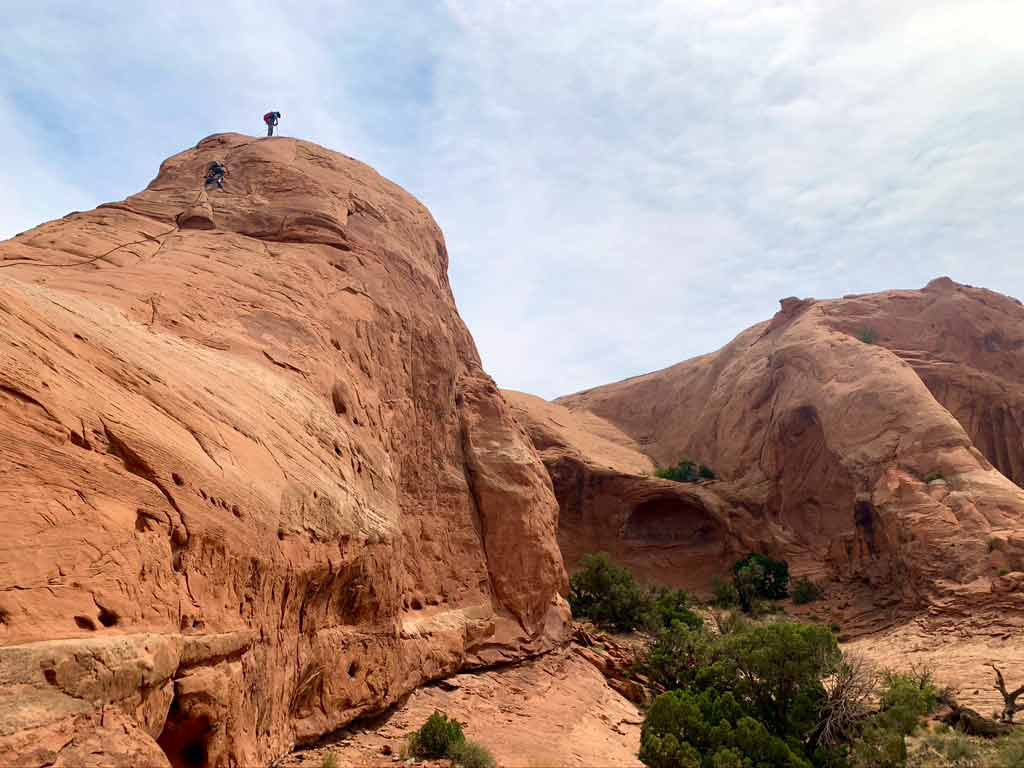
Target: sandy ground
(957,659)
(558,710)
(553,711)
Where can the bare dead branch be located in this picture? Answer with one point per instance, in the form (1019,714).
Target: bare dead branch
(1010,705)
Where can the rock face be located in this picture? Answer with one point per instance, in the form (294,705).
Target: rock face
(673,533)
(863,437)
(253,481)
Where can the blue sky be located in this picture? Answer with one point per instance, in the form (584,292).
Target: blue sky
(622,185)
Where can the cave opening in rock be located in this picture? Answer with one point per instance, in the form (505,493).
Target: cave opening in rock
(673,521)
(185,739)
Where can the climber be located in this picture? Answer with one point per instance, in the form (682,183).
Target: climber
(215,175)
(271,119)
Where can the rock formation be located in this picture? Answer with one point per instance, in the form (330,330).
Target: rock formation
(681,534)
(860,437)
(253,481)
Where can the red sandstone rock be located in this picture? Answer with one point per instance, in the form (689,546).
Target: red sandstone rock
(253,480)
(829,449)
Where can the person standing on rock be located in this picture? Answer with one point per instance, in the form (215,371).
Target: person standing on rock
(271,119)
(215,175)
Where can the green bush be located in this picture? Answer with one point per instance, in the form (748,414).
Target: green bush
(777,670)
(470,754)
(724,594)
(610,597)
(436,737)
(678,655)
(806,591)
(329,761)
(763,681)
(709,730)
(607,594)
(669,606)
(878,747)
(905,700)
(759,577)
(686,471)
(868,335)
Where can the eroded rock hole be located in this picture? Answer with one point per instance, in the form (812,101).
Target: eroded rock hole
(339,402)
(185,740)
(353,669)
(50,675)
(177,478)
(864,519)
(108,618)
(673,521)
(84,622)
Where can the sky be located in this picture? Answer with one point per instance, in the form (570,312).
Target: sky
(622,184)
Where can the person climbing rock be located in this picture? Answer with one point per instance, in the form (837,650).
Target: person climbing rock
(271,119)
(215,175)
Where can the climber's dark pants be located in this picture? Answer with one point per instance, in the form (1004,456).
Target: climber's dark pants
(270,129)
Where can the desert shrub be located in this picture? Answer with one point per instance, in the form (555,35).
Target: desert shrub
(905,699)
(806,591)
(686,471)
(607,594)
(1011,751)
(329,761)
(1003,571)
(849,696)
(668,606)
(772,675)
(994,544)
(777,671)
(471,754)
(878,747)
(868,335)
(678,656)
(435,738)
(724,594)
(954,747)
(756,577)
(709,730)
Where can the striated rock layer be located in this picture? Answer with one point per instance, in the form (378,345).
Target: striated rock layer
(861,437)
(253,481)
